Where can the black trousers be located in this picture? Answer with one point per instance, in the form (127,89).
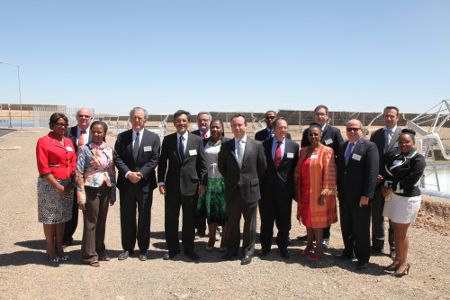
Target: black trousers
(131,198)
(71,225)
(173,202)
(378,228)
(355,227)
(235,208)
(275,210)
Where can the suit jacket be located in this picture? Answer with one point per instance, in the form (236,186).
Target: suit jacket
(279,182)
(71,133)
(378,138)
(249,176)
(357,178)
(146,162)
(263,135)
(182,176)
(331,137)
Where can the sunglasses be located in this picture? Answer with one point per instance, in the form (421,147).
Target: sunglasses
(350,129)
(270,117)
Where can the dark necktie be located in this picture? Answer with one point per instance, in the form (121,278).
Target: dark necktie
(348,152)
(136,147)
(181,148)
(278,155)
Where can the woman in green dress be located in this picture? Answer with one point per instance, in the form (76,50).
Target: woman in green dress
(212,205)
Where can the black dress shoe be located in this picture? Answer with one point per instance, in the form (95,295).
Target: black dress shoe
(124,255)
(247,259)
(343,256)
(263,252)
(169,255)
(201,233)
(362,266)
(284,252)
(104,258)
(192,256)
(68,243)
(143,256)
(376,250)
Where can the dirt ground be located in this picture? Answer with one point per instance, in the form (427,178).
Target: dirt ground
(26,274)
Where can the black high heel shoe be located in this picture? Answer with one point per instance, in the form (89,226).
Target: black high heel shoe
(392,267)
(403,273)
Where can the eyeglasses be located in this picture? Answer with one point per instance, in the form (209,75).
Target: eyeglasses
(84,116)
(61,124)
(350,129)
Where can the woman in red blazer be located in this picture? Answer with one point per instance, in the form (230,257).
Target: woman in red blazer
(56,161)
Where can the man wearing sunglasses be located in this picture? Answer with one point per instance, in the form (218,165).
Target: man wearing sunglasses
(357,166)
(79,135)
(268,132)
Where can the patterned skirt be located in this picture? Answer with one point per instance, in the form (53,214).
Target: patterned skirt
(52,208)
(212,205)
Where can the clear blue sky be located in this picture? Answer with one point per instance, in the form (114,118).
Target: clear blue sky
(227,55)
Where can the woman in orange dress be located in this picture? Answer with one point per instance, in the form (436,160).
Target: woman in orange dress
(316,190)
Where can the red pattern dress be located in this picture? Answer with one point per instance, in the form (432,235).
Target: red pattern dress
(316,176)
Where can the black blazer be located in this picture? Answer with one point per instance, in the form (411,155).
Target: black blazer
(331,137)
(71,133)
(263,135)
(182,176)
(247,178)
(146,162)
(357,178)
(407,172)
(279,182)
(378,138)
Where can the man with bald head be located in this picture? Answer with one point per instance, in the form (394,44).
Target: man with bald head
(357,166)
(79,135)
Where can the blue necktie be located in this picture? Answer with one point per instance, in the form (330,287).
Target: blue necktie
(348,152)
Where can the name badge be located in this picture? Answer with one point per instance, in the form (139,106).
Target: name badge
(328,142)
(396,145)
(356,157)
(68,148)
(147,148)
(313,156)
(192,152)
(290,155)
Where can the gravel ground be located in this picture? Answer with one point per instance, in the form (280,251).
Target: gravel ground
(25,273)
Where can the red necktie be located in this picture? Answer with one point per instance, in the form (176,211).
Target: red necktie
(204,135)
(278,155)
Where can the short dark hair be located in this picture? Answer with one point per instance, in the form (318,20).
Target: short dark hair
(409,132)
(218,120)
(320,106)
(278,119)
(270,111)
(391,107)
(101,123)
(237,116)
(55,117)
(182,112)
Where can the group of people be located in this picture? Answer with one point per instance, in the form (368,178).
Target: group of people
(217,181)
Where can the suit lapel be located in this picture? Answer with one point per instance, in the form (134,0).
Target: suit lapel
(233,150)
(394,139)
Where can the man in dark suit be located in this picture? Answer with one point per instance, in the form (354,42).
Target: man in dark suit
(357,167)
(267,132)
(278,188)
(185,179)
(242,164)
(136,157)
(386,140)
(331,137)
(79,135)
(203,123)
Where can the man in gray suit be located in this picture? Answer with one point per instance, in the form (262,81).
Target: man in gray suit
(242,164)
(386,139)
